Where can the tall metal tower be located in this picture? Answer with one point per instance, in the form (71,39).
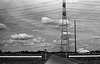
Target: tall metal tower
(64,30)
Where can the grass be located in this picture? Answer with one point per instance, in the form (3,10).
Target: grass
(42,60)
(23,61)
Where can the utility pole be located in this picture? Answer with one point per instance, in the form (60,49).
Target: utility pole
(75,35)
(64,29)
(45,53)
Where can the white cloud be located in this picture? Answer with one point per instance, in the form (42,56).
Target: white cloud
(69,34)
(15,41)
(28,43)
(2,26)
(73,40)
(46,20)
(36,30)
(45,44)
(96,37)
(21,36)
(55,24)
(82,50)
(38,40)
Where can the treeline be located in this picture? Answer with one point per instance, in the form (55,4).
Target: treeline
(32,52)
(21,52)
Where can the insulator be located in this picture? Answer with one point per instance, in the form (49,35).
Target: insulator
(64,13)
(64,5)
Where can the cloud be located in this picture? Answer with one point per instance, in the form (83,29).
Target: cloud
(18,41)
(73,40)
(11,42)
(69,35)
(82,50)
(2,44)
(55,24)
(46,45)
(36,30)
(28,44)
(46,20)
(96,37)
(38,40)
(2,26)
(21,36)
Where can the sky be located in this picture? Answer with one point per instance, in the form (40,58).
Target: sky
(21,26)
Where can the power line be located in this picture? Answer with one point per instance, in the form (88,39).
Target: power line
(36,7)
(91,1)
(55,10)
(67,17)
(82,10)
(78,20)
(82,3)
(75,10)
(26,6)
(46,13)
(49,11)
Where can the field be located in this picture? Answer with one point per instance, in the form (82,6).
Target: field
(42,61)
(91,60)
(86,60)
(22,61)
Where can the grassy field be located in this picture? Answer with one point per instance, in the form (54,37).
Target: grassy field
(42,61)
(23,61)
(86,60)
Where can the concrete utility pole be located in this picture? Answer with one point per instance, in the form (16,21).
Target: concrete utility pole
(75,36)
(64,29)
(45,54)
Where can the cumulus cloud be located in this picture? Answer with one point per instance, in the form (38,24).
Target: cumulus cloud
(2,26)
(73,40)
(38,40)
(82,50)
(96,37)
(55,24)
(21,36)
(28,43)
(46,20)
(14,41)
(69,35)
(46,45)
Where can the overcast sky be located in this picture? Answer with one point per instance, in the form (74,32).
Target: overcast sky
(24,16)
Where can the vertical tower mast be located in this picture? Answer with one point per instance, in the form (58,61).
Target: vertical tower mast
(64,29)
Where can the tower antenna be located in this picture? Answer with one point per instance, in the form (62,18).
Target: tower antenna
(64,29)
